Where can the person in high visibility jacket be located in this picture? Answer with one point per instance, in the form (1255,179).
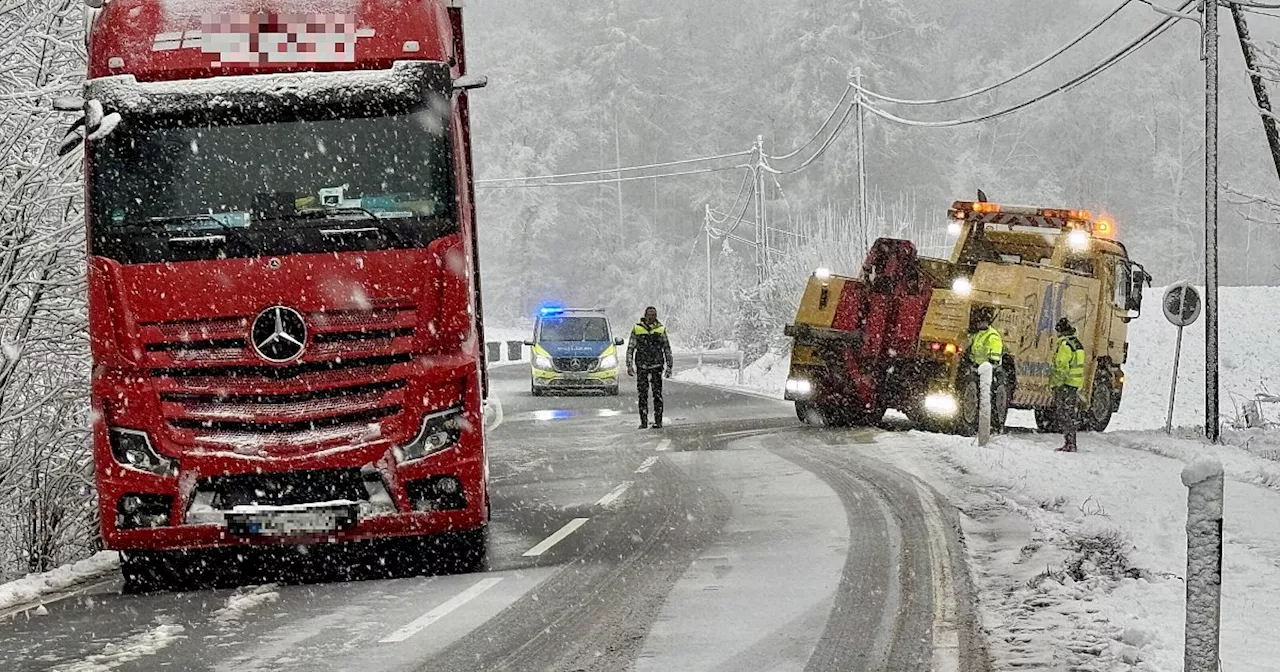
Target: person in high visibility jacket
(1066,377)
(649,350)
(985,343)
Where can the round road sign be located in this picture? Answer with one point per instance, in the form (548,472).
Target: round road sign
(1181,304)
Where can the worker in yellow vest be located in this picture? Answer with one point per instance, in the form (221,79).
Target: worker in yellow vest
(1066,377)
(986,345)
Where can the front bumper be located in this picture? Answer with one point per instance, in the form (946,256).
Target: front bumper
(140,510)
(604,379)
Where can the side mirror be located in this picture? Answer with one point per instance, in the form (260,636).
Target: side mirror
(619,341)
(468,82)
(1139,278)
(529,343)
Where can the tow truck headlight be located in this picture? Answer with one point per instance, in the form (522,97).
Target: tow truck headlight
(822,274)
(1078,240)
(939,404)
(132,448)
(439,431)
(542,362)
(608,362)
(962,286)
(799,387)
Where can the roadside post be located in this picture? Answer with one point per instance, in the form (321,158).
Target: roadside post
(1204,482)
(742,360)
(984,403)
(1181,307)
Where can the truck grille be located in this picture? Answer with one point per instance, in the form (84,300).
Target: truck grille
(215,392)
(285,488)
(575,363)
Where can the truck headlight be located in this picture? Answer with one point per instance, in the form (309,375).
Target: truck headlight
(939,404)
(609,362)
(1078,239)
(439,431)
(542,362)
(132,448)
(799,386)
(962,286)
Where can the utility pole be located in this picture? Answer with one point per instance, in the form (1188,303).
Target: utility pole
(861,132)
(706,227)
(761,259)
(1210,9)
(1259,88)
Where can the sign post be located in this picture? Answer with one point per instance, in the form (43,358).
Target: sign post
(1181,307)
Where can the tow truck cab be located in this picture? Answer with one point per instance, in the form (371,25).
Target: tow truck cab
(573,349)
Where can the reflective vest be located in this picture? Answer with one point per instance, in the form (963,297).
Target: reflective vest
(986,346)
(1068,363)
(649,347)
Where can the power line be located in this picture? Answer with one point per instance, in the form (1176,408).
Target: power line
(605,171)
(1098,69)
(821,150)
(825,124)
(1018,75)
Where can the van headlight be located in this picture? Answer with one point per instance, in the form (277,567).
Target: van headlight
(439,431)
(609,362)
(542,362)
(132,448)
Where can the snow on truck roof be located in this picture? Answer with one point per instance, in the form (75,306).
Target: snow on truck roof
(191,39)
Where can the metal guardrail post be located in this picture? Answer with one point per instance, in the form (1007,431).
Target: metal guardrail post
(1204,482)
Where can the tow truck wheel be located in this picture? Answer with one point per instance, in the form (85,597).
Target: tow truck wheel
(966,422)
(1098,415)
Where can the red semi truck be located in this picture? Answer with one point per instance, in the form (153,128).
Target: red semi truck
(284,300)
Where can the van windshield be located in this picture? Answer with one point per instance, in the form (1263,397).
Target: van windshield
(574,329)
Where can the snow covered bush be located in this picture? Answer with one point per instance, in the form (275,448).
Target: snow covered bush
(45,475)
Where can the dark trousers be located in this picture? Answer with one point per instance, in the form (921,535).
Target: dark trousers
(1066,409)
(650,379)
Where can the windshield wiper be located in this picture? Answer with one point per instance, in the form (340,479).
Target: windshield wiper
(388,231)
(189,219)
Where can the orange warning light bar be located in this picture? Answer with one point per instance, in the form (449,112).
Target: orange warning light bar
(1021,215)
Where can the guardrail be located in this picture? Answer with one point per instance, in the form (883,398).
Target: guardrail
(514,351)
(722,359)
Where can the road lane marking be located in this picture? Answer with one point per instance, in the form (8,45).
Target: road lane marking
(946,638)
(664,445)
(614,495)
(647,464)
(556,537)
(422,622)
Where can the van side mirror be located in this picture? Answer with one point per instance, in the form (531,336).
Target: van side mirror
(619,341)
(469,82)
(529,343)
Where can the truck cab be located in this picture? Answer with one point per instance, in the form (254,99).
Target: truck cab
(573,349)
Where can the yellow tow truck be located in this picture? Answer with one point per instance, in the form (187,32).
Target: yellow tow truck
(895,335)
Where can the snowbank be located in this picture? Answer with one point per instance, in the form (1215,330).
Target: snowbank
(1249,359)
(32,587)
(1079,558)
(767,375)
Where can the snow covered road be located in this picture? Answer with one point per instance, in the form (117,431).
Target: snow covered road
(734,540)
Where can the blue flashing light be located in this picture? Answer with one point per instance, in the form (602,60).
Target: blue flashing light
(546,311)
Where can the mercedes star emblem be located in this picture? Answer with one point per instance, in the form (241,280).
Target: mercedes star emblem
(279,334)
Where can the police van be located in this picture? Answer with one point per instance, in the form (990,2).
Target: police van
(573,349)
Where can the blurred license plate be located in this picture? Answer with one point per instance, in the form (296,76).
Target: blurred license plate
(290,521)
(575,375)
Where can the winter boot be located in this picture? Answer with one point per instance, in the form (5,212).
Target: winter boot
(644,422)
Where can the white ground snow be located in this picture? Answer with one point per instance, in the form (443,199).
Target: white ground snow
(243,602)
(30,588)
(143,644)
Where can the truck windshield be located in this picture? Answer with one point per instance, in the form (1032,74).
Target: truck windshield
(272,187)
(575,329)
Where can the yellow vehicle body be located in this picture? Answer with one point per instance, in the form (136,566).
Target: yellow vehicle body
(1028,267)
